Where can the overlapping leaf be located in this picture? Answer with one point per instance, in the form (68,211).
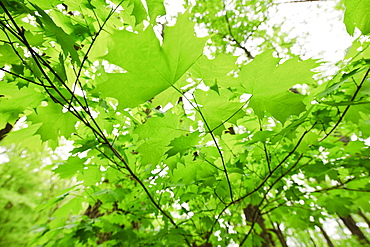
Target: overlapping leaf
(151,68)
(55,123)
(215,70)
(157,133)
(357,14)
(217,109)
(269,85)
(14,101)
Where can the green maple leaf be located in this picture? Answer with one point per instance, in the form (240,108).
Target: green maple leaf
(15,101)
(138,11)
(152,151)
(155,8)
(151,68)
(47,4)
(55,123)
(73,165)
(215,70)
(217,108)
(357,14)
(7,55)
(269,84)
(157,133)
(183,143)
(25,139)
(281,106)
(186,173)
(357,112)
(62,38)
(194,171)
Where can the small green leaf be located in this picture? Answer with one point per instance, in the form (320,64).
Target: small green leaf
(215,70)
(157,133)
(65,40)
(25,139)
(269,84)
(183,144)
(7,55)
(155,8)
(15,101)
(217,108)
(70,168)
(261,136)
(139,11)
(357,14)
(54,122)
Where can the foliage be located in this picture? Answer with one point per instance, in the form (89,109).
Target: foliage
(241,26)
(357,15)
(172,148)
(24,186)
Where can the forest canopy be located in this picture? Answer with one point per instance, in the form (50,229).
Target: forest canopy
(125,124)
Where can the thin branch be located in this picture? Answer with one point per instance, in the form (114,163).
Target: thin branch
(19,76)
(77,81)
(336,187)
(278,166)
(265,180)
(209,162)
(219,151)
(249,55)
(20,36)
(231,116)
(256,213)
(267,156)
(348,106)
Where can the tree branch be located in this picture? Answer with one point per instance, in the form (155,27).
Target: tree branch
(232,37)
(348,106)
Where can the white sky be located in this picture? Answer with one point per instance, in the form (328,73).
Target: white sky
(327,37)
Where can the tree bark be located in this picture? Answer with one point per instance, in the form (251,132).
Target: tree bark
(350,223)
(253,214)
(312,240)
(364,217)
(5,131)
(326,236)
(280,235)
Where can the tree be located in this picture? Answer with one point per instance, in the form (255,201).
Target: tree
(24,186)
(172,148)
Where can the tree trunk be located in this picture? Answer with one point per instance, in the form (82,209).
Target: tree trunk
(253,214)
(312,240)
(364,217)
(326,236)
(355,230)
(280,235)
(5,131)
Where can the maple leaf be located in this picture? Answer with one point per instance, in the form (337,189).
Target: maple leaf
(55,123)
(269,85)
(151,68)
(357,14)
